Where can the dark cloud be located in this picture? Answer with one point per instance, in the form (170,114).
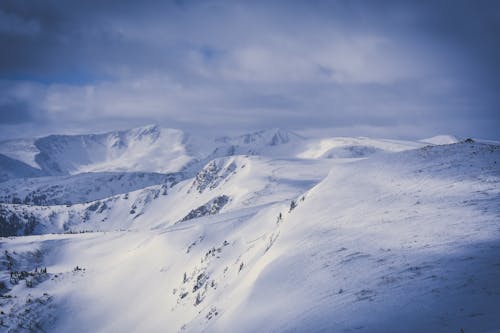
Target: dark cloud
(429,65)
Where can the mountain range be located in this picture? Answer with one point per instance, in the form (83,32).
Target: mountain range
(162,230)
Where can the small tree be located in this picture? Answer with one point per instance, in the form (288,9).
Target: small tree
(198,300)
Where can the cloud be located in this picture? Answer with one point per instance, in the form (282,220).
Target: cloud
(343,64)
(14,25)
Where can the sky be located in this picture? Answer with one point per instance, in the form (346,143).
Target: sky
(396,69)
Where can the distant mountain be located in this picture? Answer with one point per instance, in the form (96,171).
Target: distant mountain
(163,150)
(146,149)
(275,142)
(11,168)
(263,138)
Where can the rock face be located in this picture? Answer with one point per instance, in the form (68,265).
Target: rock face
(210,208)
(214,173)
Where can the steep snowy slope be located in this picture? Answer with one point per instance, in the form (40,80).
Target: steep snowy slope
(237,182)
(143,149)
(23,150)
(398,242)
(146,148)
(11,168)
(272,142)
(402,243)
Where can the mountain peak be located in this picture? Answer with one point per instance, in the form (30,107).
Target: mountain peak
(266,137)
(151,132)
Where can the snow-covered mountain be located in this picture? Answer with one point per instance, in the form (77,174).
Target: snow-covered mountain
(266,142)
(11,168)
(269,231)
(245,182)
(146,149)
(163,150)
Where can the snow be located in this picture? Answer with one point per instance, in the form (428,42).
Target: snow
(245,180)
(345,147)
(11,168)
(147,149)
(441,140)
(23,150)
(81,188)
(416,230)
(163,150)
(286,233)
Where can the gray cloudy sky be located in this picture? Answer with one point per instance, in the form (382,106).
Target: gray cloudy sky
(381,68)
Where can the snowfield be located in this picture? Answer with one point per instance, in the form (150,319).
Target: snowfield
(265,232)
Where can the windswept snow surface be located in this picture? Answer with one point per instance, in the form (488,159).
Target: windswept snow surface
(353,147)
(390,236)
(441,140)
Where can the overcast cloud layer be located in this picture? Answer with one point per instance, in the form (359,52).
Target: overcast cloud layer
(383,68)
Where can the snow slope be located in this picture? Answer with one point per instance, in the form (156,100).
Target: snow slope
(162,150)
(397,242)
(346,147)
(11,168)
(441,140)
(81,188)
(148,149)
(246,181)
(23,150)
(143,149)
(272,142)
(405,242)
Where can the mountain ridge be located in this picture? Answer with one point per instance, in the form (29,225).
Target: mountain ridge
(324,234)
